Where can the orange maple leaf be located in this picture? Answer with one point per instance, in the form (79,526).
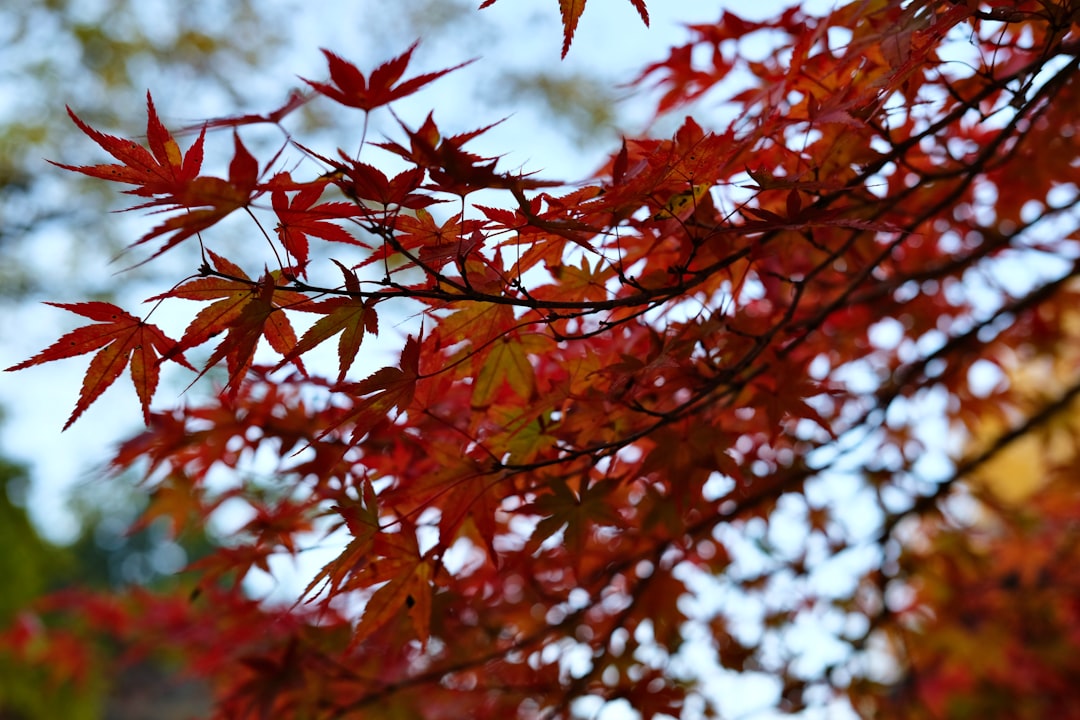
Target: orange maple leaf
(350,316)
(246,310)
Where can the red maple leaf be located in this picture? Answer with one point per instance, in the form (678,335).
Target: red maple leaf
(206,200)
(300,218)
(351,88)
(172,178)
(120,338)
(163,171)
(571,12)
(385,389)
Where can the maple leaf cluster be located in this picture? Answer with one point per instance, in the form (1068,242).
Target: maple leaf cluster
(613,388)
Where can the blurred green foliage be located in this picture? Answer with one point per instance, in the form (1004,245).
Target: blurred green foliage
(29,567)
(106,556)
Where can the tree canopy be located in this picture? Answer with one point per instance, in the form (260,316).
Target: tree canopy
(701,399)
